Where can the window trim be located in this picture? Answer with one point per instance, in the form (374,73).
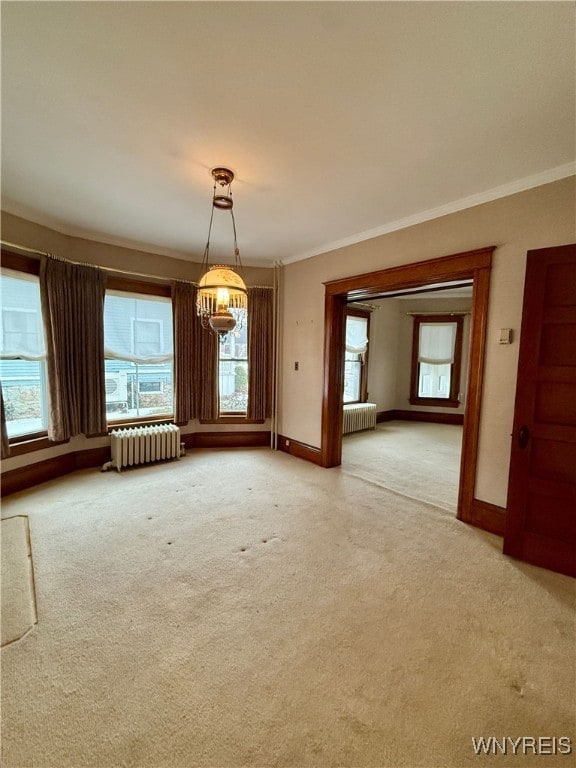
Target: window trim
(456,367)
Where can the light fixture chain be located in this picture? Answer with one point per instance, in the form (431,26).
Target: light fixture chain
(236,249)
(206,256)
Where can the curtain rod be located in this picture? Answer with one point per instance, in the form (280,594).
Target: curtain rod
(107,269)
(452,314)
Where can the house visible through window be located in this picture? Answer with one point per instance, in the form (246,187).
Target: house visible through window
(355,357)
(233,368)
(146,337)
(436,360)
(138,347)
(23,356)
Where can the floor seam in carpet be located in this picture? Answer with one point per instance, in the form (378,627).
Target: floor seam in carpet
(398,493)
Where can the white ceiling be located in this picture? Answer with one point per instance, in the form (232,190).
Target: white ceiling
(342,120)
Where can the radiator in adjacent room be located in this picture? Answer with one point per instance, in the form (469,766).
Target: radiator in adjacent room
(359,416)
(143,445)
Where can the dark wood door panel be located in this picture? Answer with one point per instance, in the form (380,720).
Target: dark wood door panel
(558,345)
(553,517)
(541,518)
(556,403)
(553,460)
(560,286)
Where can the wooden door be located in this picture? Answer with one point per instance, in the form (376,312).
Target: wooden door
(541,516)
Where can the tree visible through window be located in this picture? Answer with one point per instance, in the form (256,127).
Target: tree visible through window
(233,368)
(23,355)
(436,360)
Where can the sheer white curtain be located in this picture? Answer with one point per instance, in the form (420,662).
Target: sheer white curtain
(136,329)
(356,338)
(22,336)
(437,343)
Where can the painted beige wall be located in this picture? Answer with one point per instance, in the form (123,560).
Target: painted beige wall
(31,235)
(383,351)
(537,218)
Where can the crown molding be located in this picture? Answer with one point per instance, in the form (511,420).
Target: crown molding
(505,190)
(36,217)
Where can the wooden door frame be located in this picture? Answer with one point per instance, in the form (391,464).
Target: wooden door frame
(470,265)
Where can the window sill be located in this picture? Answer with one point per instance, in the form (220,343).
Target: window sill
(435,402)
(232,419)
(30,443)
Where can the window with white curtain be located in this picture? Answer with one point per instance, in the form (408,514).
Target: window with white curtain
(139,352)
(436,357)
(355,356)
(22,354)
(436,360)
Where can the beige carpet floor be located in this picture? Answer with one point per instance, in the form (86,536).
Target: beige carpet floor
(417,459)
(246,608)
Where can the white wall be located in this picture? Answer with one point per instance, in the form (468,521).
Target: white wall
(536,218)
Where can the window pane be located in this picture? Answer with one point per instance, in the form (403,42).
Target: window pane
(24,391)
(352,379)
(23,367)
(21,318)
(436,343)
(355,349)
(233,386)
(138,329)
(139,356)
(137,390)
(147,338)
(356,334)
(434,380)
(233,367)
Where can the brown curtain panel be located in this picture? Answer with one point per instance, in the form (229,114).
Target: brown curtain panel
(5,442)
(260,352)
(206,373)
(186,332)
(73,314)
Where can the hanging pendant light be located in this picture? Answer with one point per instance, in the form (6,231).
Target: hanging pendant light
(221,290)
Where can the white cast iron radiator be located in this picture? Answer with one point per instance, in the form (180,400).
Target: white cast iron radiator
(359,416)
(142,445)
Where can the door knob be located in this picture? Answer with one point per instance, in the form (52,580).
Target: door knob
(523,436)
